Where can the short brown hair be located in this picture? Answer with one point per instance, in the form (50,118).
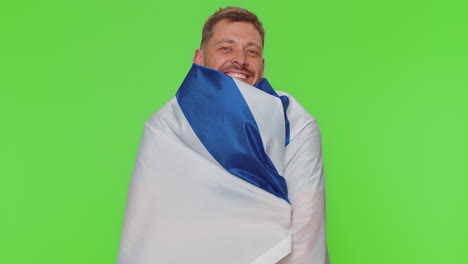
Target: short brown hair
(234,14)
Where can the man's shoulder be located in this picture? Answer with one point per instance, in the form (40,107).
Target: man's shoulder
(165,114)
(299,118)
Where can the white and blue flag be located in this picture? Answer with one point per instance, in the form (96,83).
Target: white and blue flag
(226,173)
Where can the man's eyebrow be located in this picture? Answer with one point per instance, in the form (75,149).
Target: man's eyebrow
(230,41)
(254,44)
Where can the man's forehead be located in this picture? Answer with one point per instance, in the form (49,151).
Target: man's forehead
(232,31)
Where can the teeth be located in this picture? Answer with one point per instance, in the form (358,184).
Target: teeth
(237,75)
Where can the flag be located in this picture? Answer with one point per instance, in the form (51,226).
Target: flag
(208,185)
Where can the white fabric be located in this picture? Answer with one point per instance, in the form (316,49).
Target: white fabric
(183,207)
(304,177)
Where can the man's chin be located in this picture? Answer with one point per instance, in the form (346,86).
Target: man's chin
(248,81)
(243,80)
(243,77)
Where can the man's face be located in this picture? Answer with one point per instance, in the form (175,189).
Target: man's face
(235,48)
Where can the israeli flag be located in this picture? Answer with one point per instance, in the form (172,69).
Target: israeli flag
(226,173)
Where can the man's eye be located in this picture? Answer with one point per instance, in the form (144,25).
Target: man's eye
(225,48)
(252,52)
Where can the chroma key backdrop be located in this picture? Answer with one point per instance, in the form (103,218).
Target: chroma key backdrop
(386,80)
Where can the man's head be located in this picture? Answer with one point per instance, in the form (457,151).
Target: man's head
(232,42)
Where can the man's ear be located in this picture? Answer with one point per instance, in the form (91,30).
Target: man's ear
(198,58)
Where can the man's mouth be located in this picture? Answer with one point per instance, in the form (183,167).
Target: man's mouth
(237,75)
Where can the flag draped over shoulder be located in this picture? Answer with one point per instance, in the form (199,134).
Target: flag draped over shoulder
(209,184)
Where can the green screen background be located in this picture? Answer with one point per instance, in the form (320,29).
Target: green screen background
(386,80)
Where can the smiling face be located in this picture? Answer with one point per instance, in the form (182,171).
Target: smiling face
(235,48)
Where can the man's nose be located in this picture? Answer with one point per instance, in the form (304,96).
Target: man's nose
(240,58)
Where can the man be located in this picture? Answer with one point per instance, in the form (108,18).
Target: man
(229,171)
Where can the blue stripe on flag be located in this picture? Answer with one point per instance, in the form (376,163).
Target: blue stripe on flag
(265,86)
(222,120)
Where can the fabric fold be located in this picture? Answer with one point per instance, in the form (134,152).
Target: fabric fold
(221,118)
(187,203)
